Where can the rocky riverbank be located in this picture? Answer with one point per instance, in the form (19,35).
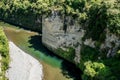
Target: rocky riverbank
(22,66)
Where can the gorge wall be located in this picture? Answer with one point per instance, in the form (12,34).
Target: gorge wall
(28,21)
(63,33)
(85,32)
(67,38)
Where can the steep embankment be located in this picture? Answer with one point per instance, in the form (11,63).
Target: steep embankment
(23,66)
(4,56)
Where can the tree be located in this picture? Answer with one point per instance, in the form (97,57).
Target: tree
(96,71)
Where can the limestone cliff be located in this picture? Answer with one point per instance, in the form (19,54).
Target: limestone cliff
(64,32)
(55,36)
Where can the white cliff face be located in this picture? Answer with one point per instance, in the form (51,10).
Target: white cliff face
(112,42)
(54,36)
(51,31)
(89,42)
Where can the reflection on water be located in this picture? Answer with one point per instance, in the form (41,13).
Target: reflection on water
(55,68)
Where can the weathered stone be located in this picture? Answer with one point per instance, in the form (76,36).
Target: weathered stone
(54,36)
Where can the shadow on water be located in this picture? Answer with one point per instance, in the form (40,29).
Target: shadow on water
(36,43)
(69,69)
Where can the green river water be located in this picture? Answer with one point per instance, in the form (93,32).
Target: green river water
(54,68)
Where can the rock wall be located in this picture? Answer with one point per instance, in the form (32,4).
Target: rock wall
(54,35)
(62,32)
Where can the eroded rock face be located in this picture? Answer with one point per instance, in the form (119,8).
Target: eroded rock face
(64,32)
(54,36)
(112,42)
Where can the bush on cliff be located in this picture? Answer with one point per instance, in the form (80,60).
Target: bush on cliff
(68,55)
(97,71)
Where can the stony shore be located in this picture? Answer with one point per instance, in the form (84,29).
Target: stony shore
(23,66)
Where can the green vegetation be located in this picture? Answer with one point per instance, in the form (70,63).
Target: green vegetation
(97,66)
(68,54)
(96,71)
(97,14)
(4,61)
(96,17)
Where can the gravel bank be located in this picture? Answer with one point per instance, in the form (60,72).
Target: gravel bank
(23,66)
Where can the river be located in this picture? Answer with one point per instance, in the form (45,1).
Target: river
(54,67)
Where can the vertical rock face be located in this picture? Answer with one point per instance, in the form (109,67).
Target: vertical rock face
(63,32)
(51,30)
(112,42)
(59,32)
